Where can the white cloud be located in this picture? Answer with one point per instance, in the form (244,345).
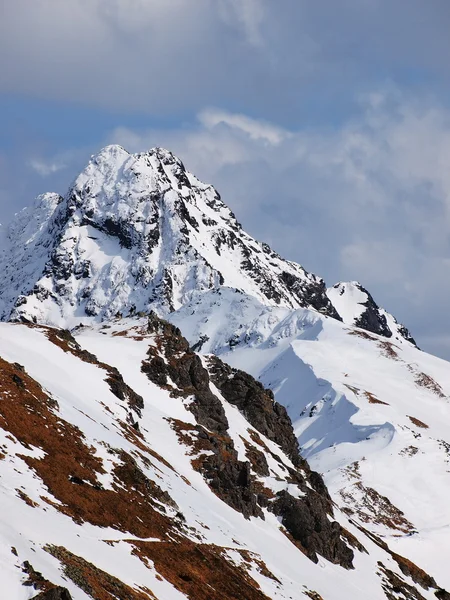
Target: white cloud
(254,128)
(45,168)
(150,56)
(249,14)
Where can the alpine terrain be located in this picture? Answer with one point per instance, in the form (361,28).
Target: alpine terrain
(185,414)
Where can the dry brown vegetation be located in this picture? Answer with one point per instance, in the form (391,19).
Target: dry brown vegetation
(372,507)
(201,571)
(374,400)
(418,423)
(370,397)
(387,349)
(26,498)
(424,380)
(96,583)
(362,334)
(135,504)
(69,468)
(253,559)
(379,509)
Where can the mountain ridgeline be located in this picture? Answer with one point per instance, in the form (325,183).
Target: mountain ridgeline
(137,232)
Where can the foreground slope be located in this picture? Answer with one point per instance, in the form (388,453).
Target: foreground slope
(133,467)
(130,475)
(370,413)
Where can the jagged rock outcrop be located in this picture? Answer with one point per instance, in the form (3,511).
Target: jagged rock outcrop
(257,404)
(306,521)
(357,307)
(56,593)
(173,364)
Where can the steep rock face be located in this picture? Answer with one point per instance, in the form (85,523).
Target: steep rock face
(56,593)
(258,406)
(357,307)
(136,231)
(174,365)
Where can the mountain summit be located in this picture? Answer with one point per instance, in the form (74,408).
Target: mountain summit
(138,232)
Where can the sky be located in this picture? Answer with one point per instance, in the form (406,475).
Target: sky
(324,125)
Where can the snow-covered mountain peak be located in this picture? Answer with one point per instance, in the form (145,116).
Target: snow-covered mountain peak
(134,232)
(357,307)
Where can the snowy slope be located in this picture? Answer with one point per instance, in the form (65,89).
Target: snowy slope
(134,231)
(61,530)
(372,414)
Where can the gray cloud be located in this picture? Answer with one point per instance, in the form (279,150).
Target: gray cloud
(280,61)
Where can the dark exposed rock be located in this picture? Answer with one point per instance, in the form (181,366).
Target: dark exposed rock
(217,460)
(47,590)
(394,585)
(123,391)
(119,230)
(199,344)
(173,360)
(173,339)
(227,476)
(307,521)
(257,404)
(310,293)
(56,593)
(372,320)
(184,368)
(76,480)
(257,460)
(371,317)
(17,380)
(407,335)
(156,370)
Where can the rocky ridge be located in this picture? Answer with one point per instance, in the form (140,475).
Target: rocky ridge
(357,307)
(137,232)
(134,232)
